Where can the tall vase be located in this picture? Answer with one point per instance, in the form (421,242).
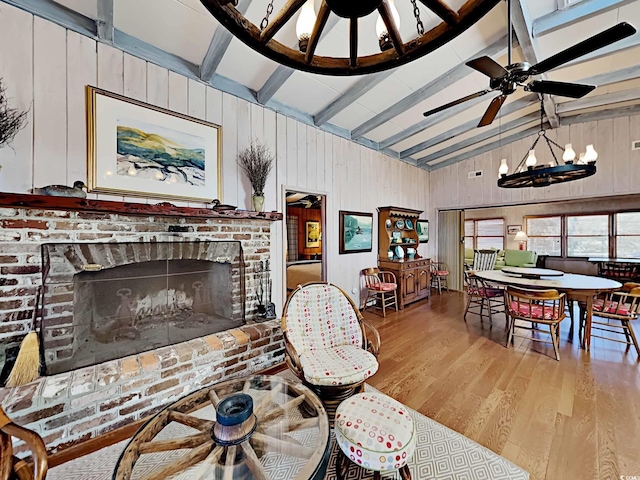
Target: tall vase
(258,202)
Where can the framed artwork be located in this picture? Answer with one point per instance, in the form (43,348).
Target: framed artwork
(422,229)
(137,149)
(356,232)
(513,229)
(312,230)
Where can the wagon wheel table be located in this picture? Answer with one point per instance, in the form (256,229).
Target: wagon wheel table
(258,427)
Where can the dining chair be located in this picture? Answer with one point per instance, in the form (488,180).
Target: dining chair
(484,259)
(381,287)
(439,275)
(480,296)
(13,468)
(539,308)
(619,309)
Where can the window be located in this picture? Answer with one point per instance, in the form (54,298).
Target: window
(469,233)
(588,236)
(545,235)
(627,234)
(490,234)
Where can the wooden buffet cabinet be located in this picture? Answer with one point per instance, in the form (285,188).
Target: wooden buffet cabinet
(397,228)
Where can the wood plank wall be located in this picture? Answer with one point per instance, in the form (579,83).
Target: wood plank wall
(45,68)
(618,169)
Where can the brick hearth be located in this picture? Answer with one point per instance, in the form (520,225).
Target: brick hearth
(72,407)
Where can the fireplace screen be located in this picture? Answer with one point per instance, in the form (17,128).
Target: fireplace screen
(111,300)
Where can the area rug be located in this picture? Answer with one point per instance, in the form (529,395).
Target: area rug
(440,454)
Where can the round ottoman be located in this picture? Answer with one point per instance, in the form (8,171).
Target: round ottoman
(375,432)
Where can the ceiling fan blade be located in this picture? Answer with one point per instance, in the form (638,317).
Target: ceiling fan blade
(492,111)
(602,39)
(488,66)
(457,102)
(563,89)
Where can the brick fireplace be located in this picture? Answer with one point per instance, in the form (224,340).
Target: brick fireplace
(101,395)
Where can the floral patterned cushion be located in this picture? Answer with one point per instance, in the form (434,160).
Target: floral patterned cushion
(343,365)
(320,316)
(384,287)
(536,311)
(485,292)
(375,431)
(612,307)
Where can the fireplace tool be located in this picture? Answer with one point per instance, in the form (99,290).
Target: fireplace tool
(27,366)
(265,310)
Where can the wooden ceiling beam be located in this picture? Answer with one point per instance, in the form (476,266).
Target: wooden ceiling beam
(218,46)
(104,21)
(593,101)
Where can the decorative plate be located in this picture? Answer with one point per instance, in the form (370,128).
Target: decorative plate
(399,252)
(409,224)
(388,223)
(400,224)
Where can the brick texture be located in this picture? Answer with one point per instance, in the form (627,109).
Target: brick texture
(70,408)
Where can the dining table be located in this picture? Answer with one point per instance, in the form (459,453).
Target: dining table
(581,288)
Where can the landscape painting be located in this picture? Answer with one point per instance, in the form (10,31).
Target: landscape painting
(159,154)
(137,149)
(356,232)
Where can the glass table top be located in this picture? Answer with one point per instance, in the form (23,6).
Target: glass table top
(259,427)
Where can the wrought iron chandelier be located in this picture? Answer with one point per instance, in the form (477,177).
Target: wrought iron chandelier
(529,174)
(309,27)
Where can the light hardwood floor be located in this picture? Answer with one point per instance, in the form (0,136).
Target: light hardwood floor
(574,419)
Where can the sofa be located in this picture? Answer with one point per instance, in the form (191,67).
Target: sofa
(506,258)
(517,258)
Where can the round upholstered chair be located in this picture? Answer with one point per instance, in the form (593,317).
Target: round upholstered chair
(376,433)
(328,345)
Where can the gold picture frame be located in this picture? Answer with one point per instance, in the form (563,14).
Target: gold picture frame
(141,150)
(312,234)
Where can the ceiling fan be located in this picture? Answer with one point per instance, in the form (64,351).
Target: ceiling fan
(507,79)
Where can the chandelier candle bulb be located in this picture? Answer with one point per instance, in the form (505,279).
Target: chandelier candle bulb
(531,159)
(590,155)
(304,26)
(569,154)
(504,168)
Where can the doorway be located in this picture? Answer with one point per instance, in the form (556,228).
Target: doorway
(305,252)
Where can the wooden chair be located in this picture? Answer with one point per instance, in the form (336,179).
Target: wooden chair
(622,306)
(484,260)
(12,468)
(480,296)
(439,275)
(381,286)
(538,307)
(327,343)
(618,271)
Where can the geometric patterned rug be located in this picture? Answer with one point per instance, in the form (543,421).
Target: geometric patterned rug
(440,454)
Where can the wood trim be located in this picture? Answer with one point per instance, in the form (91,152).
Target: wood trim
(118,435)
(18,200)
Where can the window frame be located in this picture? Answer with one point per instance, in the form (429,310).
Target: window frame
(475,231)
(566,217)
(613,242)
(562,235)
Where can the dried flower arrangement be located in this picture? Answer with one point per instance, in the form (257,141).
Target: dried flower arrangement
(11,120)
(256,161)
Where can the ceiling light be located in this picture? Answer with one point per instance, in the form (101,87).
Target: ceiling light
(504,168)
(527,174)
(304,26)
(382,31)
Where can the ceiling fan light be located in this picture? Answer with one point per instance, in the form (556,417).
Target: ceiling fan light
(569,154)
(304,25)
(590,155)
(504,168)
(531,159)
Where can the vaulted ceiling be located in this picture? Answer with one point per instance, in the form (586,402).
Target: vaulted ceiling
(385,110)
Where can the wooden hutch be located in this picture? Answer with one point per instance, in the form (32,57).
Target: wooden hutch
(398,253)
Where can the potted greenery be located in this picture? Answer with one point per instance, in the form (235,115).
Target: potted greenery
(11,120)
(257,162)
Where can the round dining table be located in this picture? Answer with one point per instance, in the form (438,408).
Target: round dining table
(583,288)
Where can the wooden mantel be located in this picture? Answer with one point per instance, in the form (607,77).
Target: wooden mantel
(18,200)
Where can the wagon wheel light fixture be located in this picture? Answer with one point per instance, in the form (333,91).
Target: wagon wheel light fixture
(394,51)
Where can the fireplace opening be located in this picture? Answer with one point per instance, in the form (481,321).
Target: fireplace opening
(106,301)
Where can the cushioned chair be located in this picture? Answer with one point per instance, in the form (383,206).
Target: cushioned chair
(619,309)
(517,258)
(439,275)
(328,345)
(537,307)
(11,468)
(482,299)
(381,287)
